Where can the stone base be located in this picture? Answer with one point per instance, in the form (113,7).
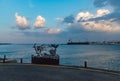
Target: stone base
(44,60)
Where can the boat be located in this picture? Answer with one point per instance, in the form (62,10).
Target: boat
(45,54)
(77,43)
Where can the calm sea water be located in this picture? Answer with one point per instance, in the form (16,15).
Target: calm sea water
(97,56)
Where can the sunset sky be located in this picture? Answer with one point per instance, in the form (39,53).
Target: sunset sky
(56,21)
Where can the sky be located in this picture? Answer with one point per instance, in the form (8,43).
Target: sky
(57,21)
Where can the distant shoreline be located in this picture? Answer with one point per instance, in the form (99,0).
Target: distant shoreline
(90,43)
(5,43)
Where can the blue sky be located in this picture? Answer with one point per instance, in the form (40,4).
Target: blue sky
(56,21)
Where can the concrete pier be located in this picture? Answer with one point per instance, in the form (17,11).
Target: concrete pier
(33,72)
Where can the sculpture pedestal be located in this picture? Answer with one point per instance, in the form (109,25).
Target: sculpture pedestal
(50,60)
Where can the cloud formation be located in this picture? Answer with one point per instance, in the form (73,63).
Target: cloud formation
(113,4)
(53,30)
(101,26)
(102,12)
(69,19)
(103,3)
(112,18)
(40,21)
(83,16)
(21,22)
(86,21)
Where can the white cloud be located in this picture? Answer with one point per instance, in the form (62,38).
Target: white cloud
(84,22)
(87,15)
(83,16)
(53,31)
(21,22)
(102,12)
(101,26)
(40,21)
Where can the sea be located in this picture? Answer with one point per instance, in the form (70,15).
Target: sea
(97,56)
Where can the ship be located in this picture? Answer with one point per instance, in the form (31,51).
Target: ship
(45,54)
(70,42)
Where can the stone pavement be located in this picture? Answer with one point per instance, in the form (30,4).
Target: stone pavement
(31,72)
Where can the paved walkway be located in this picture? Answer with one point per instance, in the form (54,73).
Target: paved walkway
(29,72)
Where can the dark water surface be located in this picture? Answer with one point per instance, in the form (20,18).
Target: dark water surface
(98,56)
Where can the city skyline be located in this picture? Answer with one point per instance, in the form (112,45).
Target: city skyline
(57,21)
